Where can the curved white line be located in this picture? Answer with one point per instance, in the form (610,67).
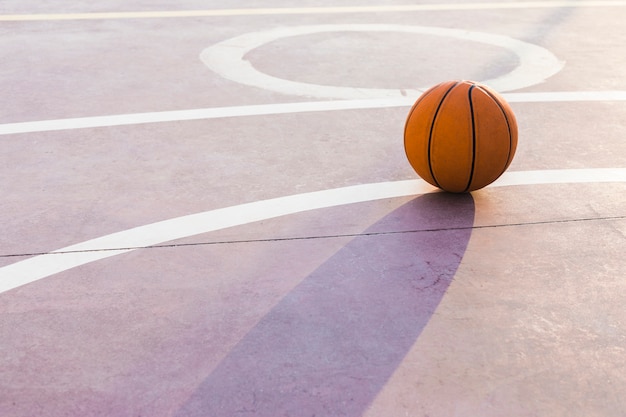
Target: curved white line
(280,108)
(41,266)
(227,58)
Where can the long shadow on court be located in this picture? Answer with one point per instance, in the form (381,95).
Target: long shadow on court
(331,344)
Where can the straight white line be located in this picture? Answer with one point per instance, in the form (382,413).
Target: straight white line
(280,108)
(565,96)
(309,10)
(193,114)
(42,266)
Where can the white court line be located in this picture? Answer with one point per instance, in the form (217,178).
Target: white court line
(42,266)
(309,10)
(279,108)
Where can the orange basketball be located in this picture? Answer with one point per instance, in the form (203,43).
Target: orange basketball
(460,136)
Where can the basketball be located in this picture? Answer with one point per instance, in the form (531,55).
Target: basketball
(460,136)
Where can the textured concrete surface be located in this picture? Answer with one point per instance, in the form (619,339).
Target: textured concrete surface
(506,301)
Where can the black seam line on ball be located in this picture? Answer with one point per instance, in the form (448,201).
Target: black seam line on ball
(471,106)
(430,135)
(408,118)
(508,126)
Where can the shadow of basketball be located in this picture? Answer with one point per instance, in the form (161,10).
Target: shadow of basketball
(329,346)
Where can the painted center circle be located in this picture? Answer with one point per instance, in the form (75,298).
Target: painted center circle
(229,59)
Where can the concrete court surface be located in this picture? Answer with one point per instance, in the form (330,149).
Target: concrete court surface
(236,230)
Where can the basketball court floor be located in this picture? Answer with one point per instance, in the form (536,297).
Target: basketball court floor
(206,210)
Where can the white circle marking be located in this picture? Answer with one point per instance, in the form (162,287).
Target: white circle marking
(227,59)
